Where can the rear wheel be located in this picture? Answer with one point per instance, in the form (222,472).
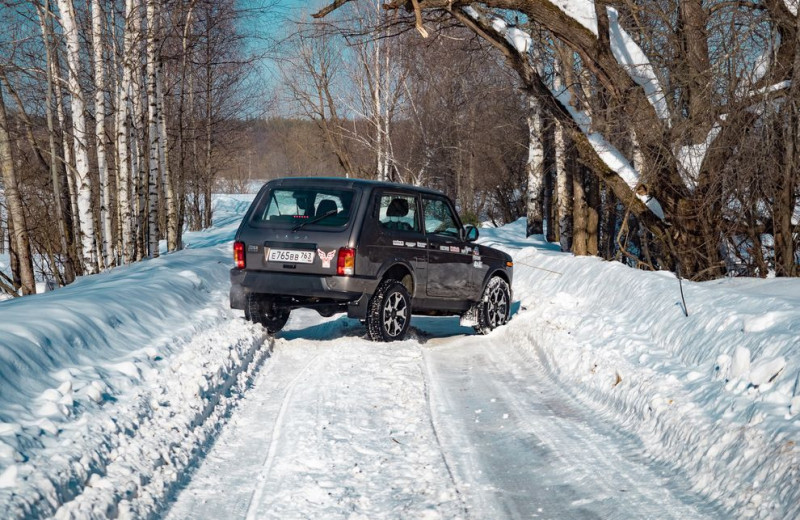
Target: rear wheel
(389,312)
(494,307)
(266,312)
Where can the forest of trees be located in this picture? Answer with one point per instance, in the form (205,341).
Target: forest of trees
(662,133)
(112,114)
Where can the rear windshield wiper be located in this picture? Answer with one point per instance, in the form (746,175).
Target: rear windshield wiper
(316,219)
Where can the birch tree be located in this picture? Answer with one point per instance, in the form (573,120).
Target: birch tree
(16,212)
(61,197)
(155,147)
(80,134)
(123,116)
(100,134)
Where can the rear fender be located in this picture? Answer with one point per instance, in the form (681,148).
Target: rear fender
(399,269)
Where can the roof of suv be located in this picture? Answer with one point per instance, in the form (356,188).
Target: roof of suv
(345,182)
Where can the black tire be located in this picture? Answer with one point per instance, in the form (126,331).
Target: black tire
(494,307)
(389,312)
(271,316)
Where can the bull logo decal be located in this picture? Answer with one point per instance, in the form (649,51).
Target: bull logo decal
(326,258)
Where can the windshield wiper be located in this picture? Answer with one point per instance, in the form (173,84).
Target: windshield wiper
(315,219)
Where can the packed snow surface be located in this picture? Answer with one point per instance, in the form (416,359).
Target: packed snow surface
(138,393)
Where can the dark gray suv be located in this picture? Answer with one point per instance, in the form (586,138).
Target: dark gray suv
(378,251)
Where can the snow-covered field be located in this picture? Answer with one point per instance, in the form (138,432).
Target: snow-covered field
(599,398)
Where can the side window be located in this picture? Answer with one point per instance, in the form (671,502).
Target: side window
(398,213)
(439,218)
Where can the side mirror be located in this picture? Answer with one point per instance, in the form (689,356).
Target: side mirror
(470,233)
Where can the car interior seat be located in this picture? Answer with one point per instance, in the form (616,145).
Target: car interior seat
(325,206)
(398,208)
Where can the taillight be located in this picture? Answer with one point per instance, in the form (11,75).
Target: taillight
(346,263)
(238,254)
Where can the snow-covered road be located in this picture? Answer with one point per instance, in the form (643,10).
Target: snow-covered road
(445,425)
(138,393)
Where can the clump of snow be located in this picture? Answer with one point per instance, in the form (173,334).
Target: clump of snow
(582,11)
(690,158)
(519,39)
(607,152)
(628,53)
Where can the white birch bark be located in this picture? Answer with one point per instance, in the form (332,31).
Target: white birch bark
(138,150)
(78,106)
(60,196)
(153,132)
(563,178)
(163,151)
(100,134)
(123,130)
(535,168)
(386,91)
(376,108)
(66,145)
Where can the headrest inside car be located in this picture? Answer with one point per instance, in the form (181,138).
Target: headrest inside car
(397,208)
(325,206)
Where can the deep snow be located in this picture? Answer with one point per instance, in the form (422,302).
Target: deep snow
(113,389)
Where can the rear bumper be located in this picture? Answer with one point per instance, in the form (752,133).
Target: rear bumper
(335,289)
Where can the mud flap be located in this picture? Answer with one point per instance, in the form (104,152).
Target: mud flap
(358,309)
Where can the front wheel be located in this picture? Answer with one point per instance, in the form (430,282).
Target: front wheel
(389,312)
(494,307)
(260,310)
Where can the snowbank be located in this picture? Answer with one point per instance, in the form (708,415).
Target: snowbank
(110,386)
(715,394)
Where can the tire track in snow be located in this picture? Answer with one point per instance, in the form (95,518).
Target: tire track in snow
(433,420)
(258,493)
(522,446)
(334,427)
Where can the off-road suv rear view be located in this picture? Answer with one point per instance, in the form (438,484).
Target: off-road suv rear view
(378,251)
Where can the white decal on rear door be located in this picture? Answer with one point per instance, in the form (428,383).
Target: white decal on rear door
(326,258)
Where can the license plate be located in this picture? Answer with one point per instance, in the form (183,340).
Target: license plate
(289,255)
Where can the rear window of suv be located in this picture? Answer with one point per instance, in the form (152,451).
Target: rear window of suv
(293,206)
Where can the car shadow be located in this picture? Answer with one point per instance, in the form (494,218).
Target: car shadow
(423,328)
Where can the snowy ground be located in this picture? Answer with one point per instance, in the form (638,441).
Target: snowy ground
(138,393)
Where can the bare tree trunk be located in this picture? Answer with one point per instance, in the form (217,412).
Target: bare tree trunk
(181,173)
(67,168)
(3,235)
(209,173)
(786,187)
(123,131)
(594,203)
(106,234)
(80,135)
(535,168)
(153,132)
(60,190)
(138,149)
(16,213)
(564,189)
(580,221)
(173,231)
